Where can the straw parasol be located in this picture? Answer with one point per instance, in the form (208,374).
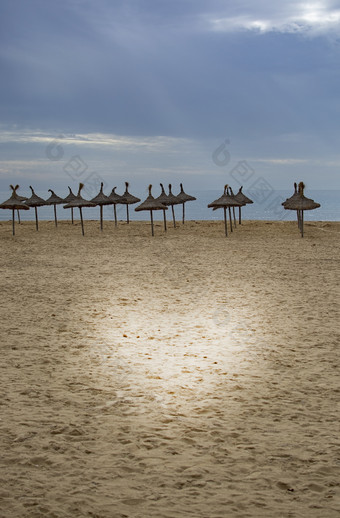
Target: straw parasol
(300,203)
(171,201)
(183,197)
(35,201)
(54,200)
(217,205)
(14,203)
(151,204)
(232,195)
(70,197)
(225,201)
(101,199)
(114,198)
(21,198)
(128,199)
(80,203)
(291,199)
(243,199)
(163,198)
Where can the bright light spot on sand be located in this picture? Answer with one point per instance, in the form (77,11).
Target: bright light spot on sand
(173,357)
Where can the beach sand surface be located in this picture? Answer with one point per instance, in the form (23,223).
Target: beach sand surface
(184,375)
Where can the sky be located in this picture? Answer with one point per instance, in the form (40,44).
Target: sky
(194,91)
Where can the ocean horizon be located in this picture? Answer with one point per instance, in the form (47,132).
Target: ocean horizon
(266,206)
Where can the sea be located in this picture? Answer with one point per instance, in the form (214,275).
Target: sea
(265,206)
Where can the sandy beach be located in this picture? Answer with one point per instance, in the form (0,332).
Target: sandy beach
(185,375)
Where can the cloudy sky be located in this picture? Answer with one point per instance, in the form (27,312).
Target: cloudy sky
(169,90)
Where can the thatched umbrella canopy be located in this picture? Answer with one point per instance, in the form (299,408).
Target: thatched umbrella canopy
(80,203)
(163,198)
(70,197)
(231,195)
(151,204)
(128,199)
(225,201)
(295,197)
(300,203)
(291,199)
(171,200)
(35,201)
(21,198)
(115,199)
(14,203)
(101,199)
(54,200)
(243,199)
(183,197)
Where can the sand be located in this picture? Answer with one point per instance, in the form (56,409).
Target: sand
(185,375)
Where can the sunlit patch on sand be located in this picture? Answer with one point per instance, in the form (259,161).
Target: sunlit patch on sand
(174,357)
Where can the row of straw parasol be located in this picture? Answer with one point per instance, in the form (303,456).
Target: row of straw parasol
(17,203)
(298,201)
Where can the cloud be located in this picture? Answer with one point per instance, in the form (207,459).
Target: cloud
(149,86)
(282,161)
(95,140)
(310,18)
(179,68)
(129,23)
(52,158)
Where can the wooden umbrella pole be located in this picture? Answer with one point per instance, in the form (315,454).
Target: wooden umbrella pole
(302,223)
(115,213)
(72,215)
(234,217)
(13,221)
(127,214)
(36,218)
(183,219)
(151,216)
(230,220)
(173,215)
(225,221)
(164,218)
(55,215)
(81,220)
(239,216)
(18,212)
(101,217)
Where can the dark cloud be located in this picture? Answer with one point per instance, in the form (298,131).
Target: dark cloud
(146,68)
(136,68)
